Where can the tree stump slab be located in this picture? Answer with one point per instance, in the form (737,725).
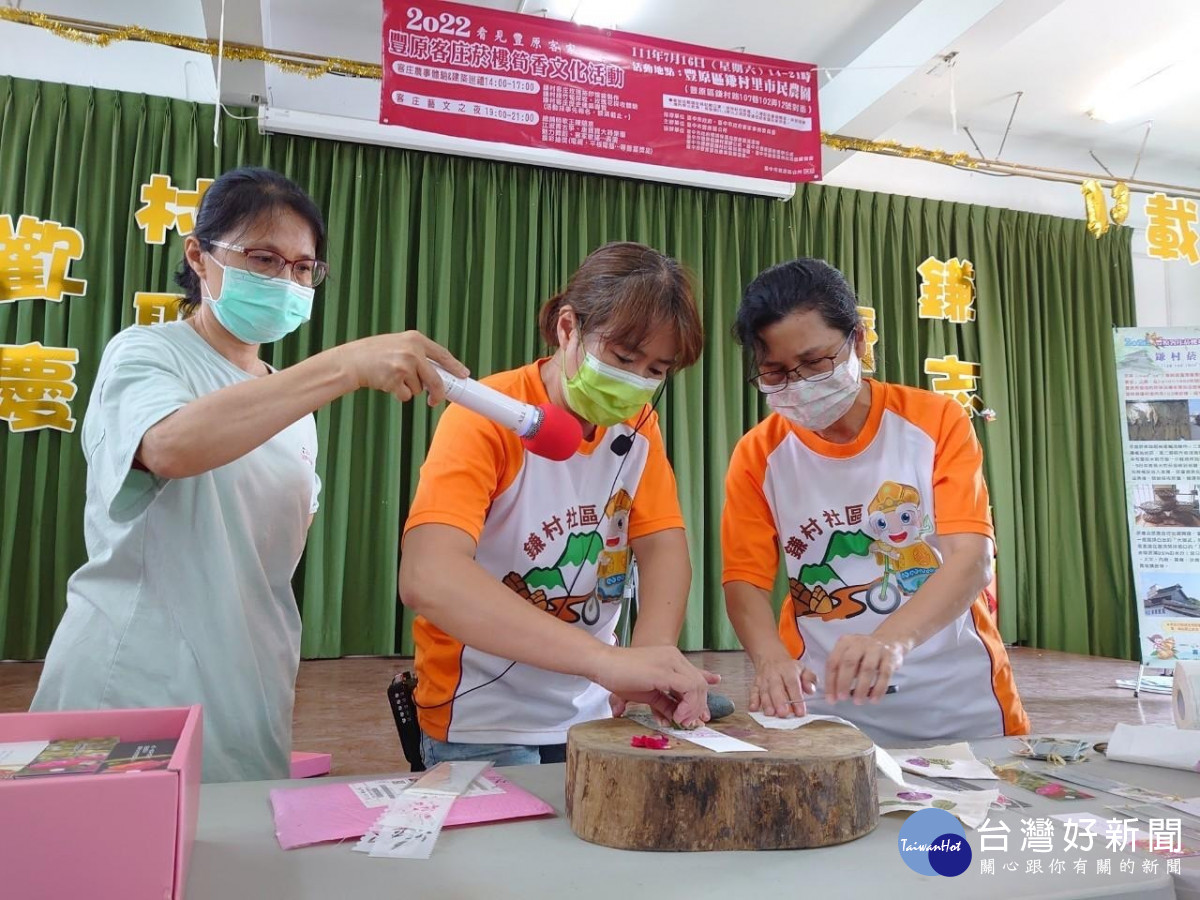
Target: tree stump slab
(811,787)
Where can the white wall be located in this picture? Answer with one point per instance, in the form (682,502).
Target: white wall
(1168,293)
(34,53)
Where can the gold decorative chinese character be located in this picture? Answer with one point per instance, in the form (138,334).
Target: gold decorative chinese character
(1169,231)
(931,302)
(186,204)
(36,386)
(151,308)
(35,258)
(872,337)
(165,207)
(947,290)
(958,379)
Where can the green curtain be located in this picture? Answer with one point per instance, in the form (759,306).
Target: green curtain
(466,250)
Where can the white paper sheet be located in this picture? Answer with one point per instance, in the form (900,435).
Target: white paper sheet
(16,756)
(888,766)
(943,761)
(780,724)
(970,807)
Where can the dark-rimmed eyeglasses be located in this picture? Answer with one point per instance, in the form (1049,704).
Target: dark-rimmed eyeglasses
(812,370)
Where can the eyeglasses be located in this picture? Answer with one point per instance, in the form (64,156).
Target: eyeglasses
(813,370)
(269,264)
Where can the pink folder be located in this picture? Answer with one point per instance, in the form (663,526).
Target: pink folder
(333,812)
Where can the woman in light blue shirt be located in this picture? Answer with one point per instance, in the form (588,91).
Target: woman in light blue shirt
(202,483)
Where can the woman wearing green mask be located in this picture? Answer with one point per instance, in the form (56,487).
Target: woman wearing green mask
(202,483)
(516,565)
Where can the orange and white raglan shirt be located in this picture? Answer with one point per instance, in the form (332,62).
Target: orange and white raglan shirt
(857,528)
(556,533)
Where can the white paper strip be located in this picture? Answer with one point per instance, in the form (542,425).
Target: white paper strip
(410,827)
(449,778)
(1190,806)
(703,736)
(374,794)
(1083,778)
(888,766)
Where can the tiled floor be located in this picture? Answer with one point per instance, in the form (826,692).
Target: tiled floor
(342,708)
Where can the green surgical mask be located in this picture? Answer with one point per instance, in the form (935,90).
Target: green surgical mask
(605,395)
(258,310)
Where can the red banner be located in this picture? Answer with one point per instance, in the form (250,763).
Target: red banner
(476,73)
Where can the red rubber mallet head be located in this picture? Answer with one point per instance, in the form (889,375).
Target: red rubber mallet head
(558,435)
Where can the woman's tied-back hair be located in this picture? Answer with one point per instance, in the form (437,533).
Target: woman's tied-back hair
(233,204)
(623,292)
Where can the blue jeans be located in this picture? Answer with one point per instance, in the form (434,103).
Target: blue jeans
(434,751)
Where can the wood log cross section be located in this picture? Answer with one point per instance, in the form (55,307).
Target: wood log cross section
(810,787)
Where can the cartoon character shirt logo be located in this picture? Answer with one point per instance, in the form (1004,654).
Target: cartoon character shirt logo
(607,548)
(898,526)
(613,563)
(889,537)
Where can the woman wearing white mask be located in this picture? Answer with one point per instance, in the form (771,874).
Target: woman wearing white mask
(873,496)
(202,483)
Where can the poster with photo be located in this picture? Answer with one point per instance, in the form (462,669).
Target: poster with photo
(1158,382)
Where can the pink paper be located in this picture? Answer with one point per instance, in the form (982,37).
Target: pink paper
(333,812)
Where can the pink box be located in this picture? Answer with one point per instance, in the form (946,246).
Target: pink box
(311,765)
(105,837)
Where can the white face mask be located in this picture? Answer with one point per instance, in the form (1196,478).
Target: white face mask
(816,405)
